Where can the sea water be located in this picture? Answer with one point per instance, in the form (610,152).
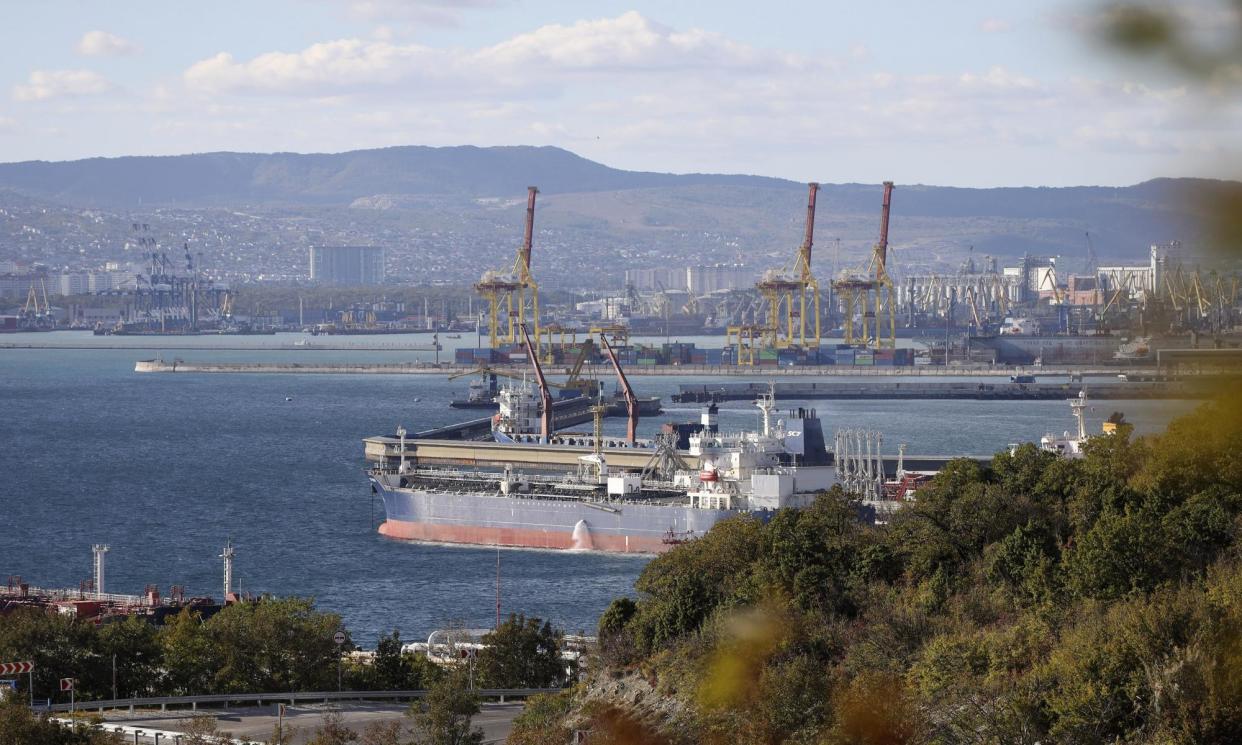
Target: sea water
(167,468)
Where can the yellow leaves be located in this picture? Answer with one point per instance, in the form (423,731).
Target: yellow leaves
(735,667)
(876,709)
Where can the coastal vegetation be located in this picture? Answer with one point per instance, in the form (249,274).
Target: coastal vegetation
(273,644)
(1042,599)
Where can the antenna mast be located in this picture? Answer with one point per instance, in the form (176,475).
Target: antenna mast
(227,555)
(100,550)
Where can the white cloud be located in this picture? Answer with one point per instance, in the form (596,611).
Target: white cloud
(625,84)
(995,26)
(104,44)
(425,12)
(634,93)
(998,78)
(626,42)
(45,84)
(629,43)
(328,65)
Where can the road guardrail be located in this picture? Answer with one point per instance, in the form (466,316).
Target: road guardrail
(226,699)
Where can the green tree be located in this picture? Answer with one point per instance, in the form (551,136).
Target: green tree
(445,716)
(389,666)
(20,726)
(811,553)
(1121,552)
(274,645)
(616,643)
(521,653)
(684,586)
(135,645)
(190,657)
(1026,562)
(392,669)
(59,647)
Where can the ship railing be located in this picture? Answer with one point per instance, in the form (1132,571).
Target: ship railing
(67,594)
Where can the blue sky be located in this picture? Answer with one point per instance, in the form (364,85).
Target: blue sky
(961,93)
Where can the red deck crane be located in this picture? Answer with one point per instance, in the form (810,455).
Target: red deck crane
(631,401)
(545,396)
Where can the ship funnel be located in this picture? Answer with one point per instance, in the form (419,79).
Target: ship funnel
(582,537)
(708,418)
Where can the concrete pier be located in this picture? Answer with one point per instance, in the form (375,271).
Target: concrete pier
(911,390)
(603,371)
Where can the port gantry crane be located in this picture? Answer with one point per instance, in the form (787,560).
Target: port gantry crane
(631,401)
(867,297)
(514,292)
(780,287)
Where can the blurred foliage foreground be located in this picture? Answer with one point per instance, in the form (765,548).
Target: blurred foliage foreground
(1043,600)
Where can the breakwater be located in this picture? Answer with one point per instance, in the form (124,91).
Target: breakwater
(186,346)
(919,390)
(604,371)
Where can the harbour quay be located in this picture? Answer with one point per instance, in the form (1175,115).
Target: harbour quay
(968,390)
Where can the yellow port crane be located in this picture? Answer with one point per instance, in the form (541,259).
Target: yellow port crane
(786,291)
(868,297)
(513,292)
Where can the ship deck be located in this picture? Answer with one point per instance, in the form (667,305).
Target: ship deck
(481,483)
(386,451)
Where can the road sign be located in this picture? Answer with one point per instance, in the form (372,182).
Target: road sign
(13,668)
(339,637)
(66,684)
(8,684)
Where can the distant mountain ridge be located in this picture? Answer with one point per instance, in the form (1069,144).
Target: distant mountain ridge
(504,171)
(230,178)
(394,193)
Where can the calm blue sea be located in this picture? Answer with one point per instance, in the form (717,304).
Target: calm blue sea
(167,468)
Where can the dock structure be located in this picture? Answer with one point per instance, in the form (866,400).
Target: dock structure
(385,450)
(600,371)
(910,390)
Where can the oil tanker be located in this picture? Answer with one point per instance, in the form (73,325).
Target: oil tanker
(606,501)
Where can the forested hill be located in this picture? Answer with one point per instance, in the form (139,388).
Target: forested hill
(594,204)
(1044,600)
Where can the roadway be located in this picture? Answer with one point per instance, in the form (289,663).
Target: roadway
(258,723)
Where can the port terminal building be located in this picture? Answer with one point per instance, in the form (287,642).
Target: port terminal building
(347,265)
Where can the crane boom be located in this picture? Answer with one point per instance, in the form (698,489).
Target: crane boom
(631,401)
(528,240)
(884,210)
(809,233)
(545,396)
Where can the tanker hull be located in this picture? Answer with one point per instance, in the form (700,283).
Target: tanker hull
(499,520)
